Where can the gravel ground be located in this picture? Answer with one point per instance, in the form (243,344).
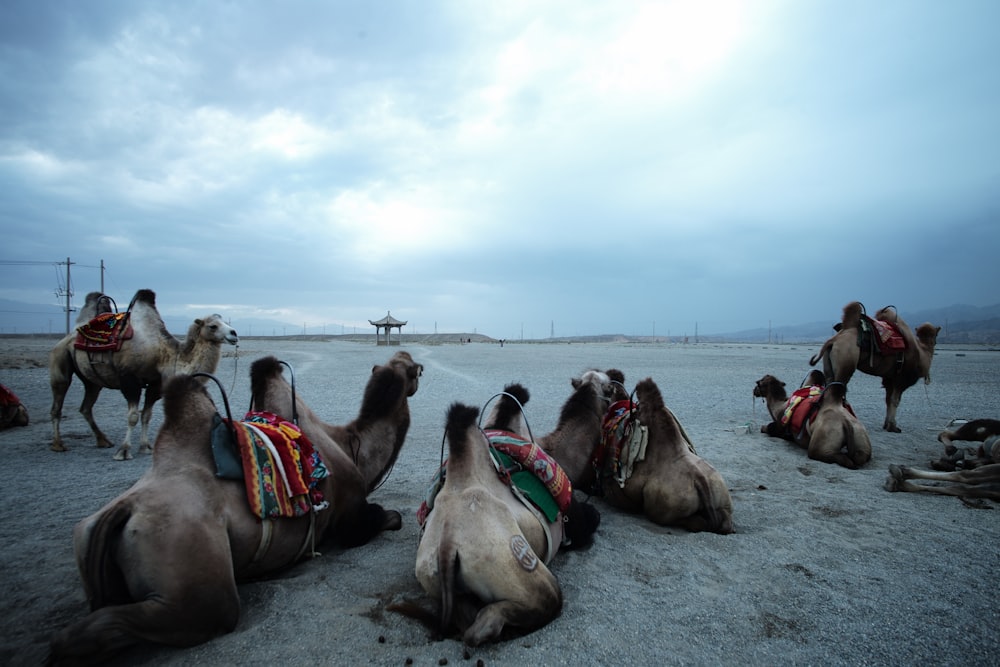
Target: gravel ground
(825,566)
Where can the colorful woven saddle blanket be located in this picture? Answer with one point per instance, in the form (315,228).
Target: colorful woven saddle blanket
(275,460)
(522,464)
(886,336)
(623,443)
(801,409)
(104,333)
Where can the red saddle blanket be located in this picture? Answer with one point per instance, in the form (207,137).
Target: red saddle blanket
(801,409)
(104,333)
(887,337)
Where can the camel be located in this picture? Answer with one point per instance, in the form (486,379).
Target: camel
(985,431)
(161,562)
(816,418)
(143,361)
(483,554)
(12,411)
(671,485)
(853,348)
(361,439)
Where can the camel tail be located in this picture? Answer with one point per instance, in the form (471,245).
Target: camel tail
(103,579)
(448,569)
(816,358)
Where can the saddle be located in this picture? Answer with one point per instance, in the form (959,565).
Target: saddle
(276,462)
(104,333)
(522,465)
(623,444)
(801,409)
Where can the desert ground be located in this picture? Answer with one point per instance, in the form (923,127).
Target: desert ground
(825,566)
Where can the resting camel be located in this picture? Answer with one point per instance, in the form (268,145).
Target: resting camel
(668,482)
(980,482)
(143,361)
(854,347)
(817,418)
(161,562)
(12,411)
(985,431)
(483,554)
(369,435)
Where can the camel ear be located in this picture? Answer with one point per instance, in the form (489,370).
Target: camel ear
(199,321)
(374,368)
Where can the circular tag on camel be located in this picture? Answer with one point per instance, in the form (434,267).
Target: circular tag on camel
(525,557)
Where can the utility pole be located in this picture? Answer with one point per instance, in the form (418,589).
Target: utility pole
(68,293)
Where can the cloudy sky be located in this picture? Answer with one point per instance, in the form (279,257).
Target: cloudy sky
(511,168)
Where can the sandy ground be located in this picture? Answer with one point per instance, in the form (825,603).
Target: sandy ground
(826,567)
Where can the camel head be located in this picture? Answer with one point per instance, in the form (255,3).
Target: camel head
(770,387)
(212,329)
(404,364)
(927,334)
(608,386)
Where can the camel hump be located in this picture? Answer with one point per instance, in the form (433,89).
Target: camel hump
(261,371)
(852,314)
(616,375)
(145,296)
(460,419)
(177,392)
(518,391)
(649,396)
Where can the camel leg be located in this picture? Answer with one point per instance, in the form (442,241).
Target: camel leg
(132,391)
(892,396)
(91,392)
(982,482)
(60,385)
(152,396)
(492,618)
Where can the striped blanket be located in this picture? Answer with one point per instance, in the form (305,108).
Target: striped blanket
(280,468)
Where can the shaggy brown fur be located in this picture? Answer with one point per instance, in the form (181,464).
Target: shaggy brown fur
(841,356)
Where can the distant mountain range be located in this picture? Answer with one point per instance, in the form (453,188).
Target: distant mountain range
(960,324)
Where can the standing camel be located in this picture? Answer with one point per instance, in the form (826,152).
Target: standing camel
(854,347)
(143,361)
(161,562)
(816,418)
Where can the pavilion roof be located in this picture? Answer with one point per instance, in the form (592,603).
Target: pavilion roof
(388,320)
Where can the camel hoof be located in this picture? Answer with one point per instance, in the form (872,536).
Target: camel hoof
(145,449)
(58,447)
(891,484)
(123,455)
(104,444)
(392,520)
